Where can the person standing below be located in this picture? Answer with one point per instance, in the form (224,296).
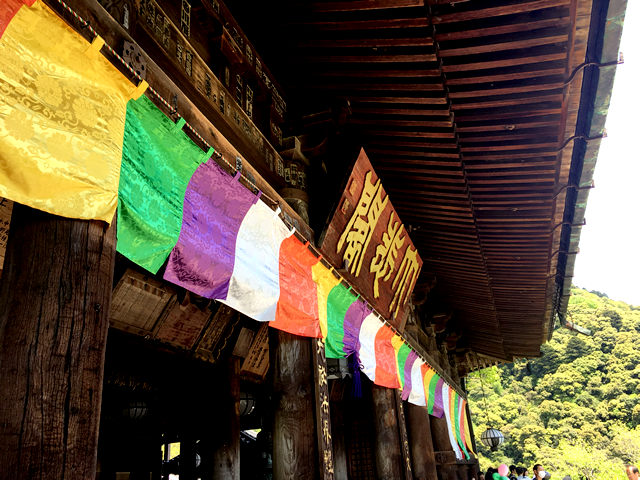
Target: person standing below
(512,473)
(632,472)
(538,472)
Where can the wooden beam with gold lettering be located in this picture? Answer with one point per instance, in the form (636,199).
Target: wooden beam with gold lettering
(367,240)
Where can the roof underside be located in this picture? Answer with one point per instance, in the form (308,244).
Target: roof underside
(463,110)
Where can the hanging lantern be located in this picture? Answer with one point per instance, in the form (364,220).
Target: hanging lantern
(135,411)
(492,438)
(247,403)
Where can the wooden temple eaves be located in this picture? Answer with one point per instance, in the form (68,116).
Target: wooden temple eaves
(482,119)
(465,113)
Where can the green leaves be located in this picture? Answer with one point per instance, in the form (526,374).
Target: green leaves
(576,410)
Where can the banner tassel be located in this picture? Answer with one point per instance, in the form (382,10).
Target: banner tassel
(357,381)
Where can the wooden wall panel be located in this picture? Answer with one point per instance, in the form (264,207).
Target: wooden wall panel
(138,302)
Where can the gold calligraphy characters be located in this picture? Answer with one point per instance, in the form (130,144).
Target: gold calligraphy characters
(405,279)
(384,262)
(362,224)
(392,245)
(322,375)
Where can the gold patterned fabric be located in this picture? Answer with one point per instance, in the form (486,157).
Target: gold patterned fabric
(62,119)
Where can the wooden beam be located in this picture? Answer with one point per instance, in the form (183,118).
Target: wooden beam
(500,47)
(511,62)
(395,87)
(507,103)
(393,99)
(359,5)
(377,72)
(498,11)
(429,57)
(502,29)
(490,92)
(362,24)
(504,77)
(366,42)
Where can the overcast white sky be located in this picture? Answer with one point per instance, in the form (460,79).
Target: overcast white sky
(609,259)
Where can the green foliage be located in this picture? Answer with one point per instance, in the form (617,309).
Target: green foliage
(576,409)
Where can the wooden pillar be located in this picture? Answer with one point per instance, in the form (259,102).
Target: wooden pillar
(322,408)
(337,430)
(404,436)
(422,452)
(55,297)
(293,396)
(388,451)
(445,456)
(226,457)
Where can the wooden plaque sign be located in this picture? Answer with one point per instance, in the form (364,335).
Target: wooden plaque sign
(367,241)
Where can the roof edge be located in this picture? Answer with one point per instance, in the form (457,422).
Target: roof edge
(597,86)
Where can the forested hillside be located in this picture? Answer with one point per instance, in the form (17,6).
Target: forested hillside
(576,410)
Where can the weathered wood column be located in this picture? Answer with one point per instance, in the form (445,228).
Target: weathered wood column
(55,297)
(226,457)
(422,453)
(293,397)
(388,451)
(445,456)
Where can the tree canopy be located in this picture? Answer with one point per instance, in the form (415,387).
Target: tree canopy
(576,409)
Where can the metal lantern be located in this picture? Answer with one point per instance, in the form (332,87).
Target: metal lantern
(247,403)
(135,411)
(492,438)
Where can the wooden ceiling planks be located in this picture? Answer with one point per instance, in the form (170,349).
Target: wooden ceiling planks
(461,107)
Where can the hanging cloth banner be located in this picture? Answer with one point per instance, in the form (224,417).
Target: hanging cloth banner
(325,282)
(297,310)
(371,325)
(158,160)
(229,245)
(412,358)
(62,118)
(254,288)
(467,429)
(460,413)
(447,406)
(402,352)
(386,368)
(455,421)
(344,336)
(417,395)
(438,403)
(235,249)
(215,205)
(339,302)
(63,113)
(8,9)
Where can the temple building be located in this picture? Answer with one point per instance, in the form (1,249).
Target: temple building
(269,240)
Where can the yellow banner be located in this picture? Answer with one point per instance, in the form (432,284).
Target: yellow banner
(62,118)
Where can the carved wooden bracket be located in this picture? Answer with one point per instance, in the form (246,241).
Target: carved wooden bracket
(451,340)
(440,321)
(445,458)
